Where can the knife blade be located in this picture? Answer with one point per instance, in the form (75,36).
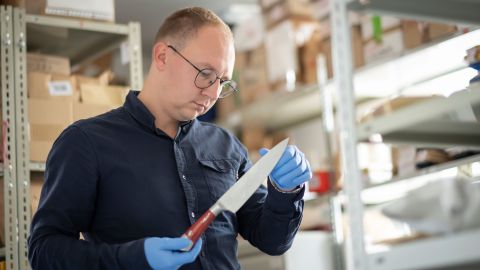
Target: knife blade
(239,193)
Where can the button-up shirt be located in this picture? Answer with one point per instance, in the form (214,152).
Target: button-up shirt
(118,179)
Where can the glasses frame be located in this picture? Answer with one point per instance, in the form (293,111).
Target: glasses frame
(223,82)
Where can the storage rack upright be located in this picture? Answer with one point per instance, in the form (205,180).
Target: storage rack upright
(86,41)
(417,125)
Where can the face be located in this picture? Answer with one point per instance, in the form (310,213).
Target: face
(210,48)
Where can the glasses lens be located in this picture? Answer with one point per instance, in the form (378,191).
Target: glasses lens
(228,87)
(205,78)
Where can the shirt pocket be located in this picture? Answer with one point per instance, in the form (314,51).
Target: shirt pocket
(219,174)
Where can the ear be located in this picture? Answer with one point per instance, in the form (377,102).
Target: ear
(159,57)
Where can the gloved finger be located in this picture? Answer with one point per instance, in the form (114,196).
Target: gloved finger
(263,151)
(287,155)
(291,165)
(288,178)
(174,243)
(189,256)
(305,177)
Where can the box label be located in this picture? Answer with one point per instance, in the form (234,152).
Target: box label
(60,88)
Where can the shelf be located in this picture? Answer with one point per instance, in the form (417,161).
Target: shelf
(454,11)
(79,40)
(430,170)
(37,166)
(436,65)
(397,187)
(426,124)
(432,253)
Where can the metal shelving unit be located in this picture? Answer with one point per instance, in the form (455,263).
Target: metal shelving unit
(453,11)
(427,123)
(81,41)
(284,109)
(454,250)
(418,124)
(430,170)
(10,183)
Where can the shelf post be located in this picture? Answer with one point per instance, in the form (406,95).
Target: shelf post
(343,71)
(21,128)
(9,137)
(135,48)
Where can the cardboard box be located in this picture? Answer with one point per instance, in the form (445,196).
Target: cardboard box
(250,68)
(103,95)
(102,80)
(372,26)
(266,4)
(50,111)
(45,132)
(414,34)
(439,30)
(390,45)
(39,150)
(287,9)
(45,86)
(15,3)
(48,64)
(87,9)
(36,183)
(280,41)
(84,111)
(320,8)
(357,51)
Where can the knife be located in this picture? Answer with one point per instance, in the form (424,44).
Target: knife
(239,193)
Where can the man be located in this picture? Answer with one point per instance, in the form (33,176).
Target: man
(134,179)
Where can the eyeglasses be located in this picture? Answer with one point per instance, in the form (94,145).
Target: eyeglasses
(207,77)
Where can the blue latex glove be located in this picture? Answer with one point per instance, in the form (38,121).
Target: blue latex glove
(165,254)
(292,170)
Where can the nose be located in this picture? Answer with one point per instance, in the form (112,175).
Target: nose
(213,91)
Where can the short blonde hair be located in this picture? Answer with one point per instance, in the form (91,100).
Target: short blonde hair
(183,24)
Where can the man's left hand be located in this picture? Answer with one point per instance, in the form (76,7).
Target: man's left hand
(291,171)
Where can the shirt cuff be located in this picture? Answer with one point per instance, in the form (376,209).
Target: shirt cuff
(295,190)
(132,255)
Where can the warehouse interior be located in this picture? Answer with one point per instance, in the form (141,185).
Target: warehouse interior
(381,96)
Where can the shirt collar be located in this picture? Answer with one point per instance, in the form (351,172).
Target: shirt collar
(140,112)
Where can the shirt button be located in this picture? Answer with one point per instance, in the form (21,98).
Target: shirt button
(193,215)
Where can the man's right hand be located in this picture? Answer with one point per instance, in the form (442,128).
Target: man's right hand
(165,254)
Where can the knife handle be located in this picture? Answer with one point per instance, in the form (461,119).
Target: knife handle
(194,232)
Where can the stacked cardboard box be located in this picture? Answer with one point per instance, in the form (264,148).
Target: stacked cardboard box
(289,39)
(250,68)
(326,44)
(51,93)
(36,183)
(385,36)
(276,11)
(56,99)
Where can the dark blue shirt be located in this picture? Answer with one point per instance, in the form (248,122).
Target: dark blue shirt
(118,179)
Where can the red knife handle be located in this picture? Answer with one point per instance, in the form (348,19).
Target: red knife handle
(194,232)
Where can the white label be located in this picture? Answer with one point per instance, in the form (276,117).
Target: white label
(60,88)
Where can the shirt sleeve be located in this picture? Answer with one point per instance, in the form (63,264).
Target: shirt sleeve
(270,219)
(66,208)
